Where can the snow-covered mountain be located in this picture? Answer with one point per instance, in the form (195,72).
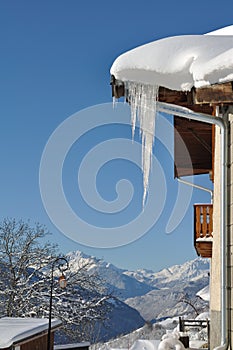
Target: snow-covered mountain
(191,271)
(145,280)
(154,295)
(118,281)
(174,288)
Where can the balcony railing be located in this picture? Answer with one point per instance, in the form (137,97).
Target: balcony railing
(203,229)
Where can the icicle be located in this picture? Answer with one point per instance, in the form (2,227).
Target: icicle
(114,102)
(142,99)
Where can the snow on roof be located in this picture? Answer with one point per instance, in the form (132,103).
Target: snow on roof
(180,62)
(222,31)
(13,330)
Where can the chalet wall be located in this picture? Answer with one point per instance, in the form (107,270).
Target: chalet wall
(230,223)
(38,343)
(215,300)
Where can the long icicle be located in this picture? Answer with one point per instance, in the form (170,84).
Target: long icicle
(142,99)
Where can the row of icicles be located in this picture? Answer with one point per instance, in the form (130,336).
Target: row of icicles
(142,99)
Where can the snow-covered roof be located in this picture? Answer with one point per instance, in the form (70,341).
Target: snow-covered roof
(14,330)
(180,62)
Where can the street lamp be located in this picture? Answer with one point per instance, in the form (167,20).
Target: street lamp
(62,266)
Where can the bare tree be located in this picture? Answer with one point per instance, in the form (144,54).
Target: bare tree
(191,302)
(25,267)
(22,259)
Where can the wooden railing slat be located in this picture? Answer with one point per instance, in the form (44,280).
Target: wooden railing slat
(203,226)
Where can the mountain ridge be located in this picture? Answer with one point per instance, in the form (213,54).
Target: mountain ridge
(154,295)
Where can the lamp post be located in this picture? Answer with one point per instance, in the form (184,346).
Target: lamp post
(62,266)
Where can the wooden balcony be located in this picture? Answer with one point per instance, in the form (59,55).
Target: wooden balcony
(203,229)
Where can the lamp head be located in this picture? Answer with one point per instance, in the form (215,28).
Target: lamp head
(62,281)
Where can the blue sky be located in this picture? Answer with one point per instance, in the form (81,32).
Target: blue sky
(55,61)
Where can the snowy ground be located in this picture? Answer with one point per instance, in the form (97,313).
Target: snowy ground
(159,336)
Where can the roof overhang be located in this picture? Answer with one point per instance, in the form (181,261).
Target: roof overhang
(193,71)
(195,136)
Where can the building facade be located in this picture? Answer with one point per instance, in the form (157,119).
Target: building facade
(195,72)
(215,290)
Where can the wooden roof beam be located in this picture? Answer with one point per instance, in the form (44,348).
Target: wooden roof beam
(198,99)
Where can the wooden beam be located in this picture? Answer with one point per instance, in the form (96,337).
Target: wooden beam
(184,99)
(181,98)
(214,94)
(200,100)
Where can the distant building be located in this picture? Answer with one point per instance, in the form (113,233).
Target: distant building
(26,333)
(75,346)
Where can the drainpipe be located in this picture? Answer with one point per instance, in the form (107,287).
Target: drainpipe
(186,113)
(197,186)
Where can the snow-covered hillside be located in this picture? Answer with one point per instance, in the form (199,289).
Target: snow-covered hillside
(172,285)
(150,335)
